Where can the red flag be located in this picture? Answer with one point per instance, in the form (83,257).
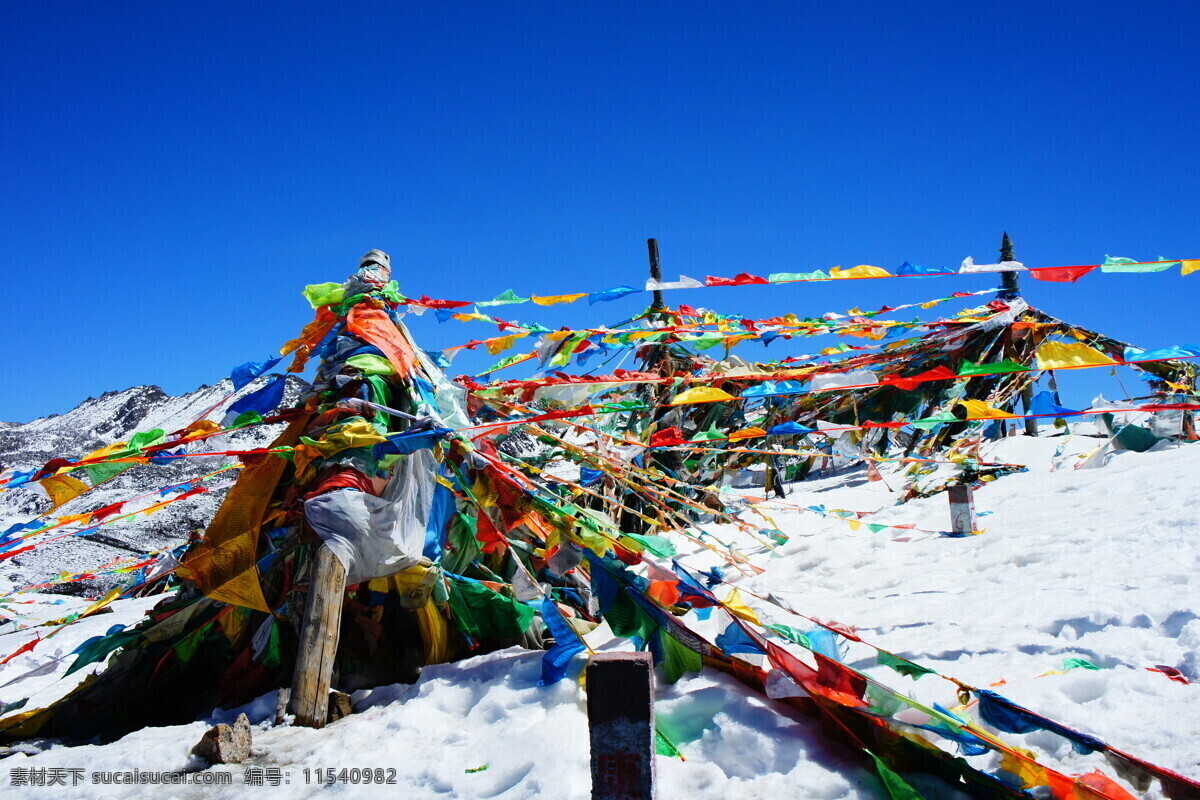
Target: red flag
(910,383)
(101,514)
(741,279)
(430,302)
(487,533)
(668,437)
(25,648)
(1062,274)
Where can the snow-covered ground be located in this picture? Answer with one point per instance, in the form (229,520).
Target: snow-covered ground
(1097,564)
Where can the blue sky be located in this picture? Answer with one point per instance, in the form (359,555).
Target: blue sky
(173,174)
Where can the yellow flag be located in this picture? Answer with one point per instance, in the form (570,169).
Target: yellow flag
(62,489)
(557,298)
(1190,266)
(154,508)
(1065,355)
(735,605)
(979,409)
(105,452)
(1029,772)
(701,394)
(502,343)
(112,595)
(861,271)
(746,433)
(356,433)
(198,428)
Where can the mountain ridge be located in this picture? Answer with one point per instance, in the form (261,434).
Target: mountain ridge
(99,421)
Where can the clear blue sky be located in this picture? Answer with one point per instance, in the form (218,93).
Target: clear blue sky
(172,174)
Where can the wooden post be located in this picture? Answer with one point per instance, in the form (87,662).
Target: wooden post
(655,272)
(1031,428)
(658,359)
(620,708)
(1012,290)
(319,633)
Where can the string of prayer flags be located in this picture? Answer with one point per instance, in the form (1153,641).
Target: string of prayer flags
(324,296)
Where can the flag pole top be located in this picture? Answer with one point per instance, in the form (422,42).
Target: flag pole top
(1012,288)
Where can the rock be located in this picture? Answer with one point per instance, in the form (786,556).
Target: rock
(339,706)
(225,744)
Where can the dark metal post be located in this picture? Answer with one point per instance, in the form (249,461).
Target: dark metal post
(655,272)
(1012,287)
(620,709)
(1012,290)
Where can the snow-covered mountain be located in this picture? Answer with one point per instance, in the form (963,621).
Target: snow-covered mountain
(115,417)
(1096,564)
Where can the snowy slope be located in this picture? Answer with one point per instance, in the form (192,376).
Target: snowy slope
(114,417)
(1096,563)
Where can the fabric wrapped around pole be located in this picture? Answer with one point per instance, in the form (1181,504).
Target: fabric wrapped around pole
(373,536)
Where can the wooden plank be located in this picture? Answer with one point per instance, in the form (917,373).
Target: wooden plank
(319,633)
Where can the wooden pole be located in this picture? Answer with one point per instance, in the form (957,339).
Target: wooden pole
(1012,290)
(319,633)
(658,360)
(656,273)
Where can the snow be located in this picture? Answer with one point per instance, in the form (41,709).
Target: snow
(1090,563)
